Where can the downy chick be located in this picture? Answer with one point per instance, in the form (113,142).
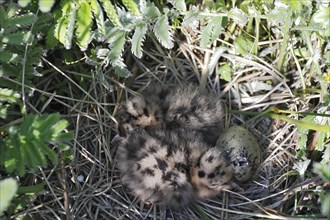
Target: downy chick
(155,165)
(191,108)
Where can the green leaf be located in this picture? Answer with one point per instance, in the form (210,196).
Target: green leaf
(243,45)
(238,16)
(138,39)
(132,7)
(111,12)
(9,57)
(4,111)
(323,170)
(27,147)
(46,5)
(8,189)
(226,72)
(117,43)
(50,38)
(33,189)
(211,32)
(296,5)
(122,71)
(151,11)
(322,16)
(300,123)
(19,38)
(60,31)
(70,26)
(24,3)
(99,16)
(84,24)
(23,20)
(9,95)
(179,4)
(163,32)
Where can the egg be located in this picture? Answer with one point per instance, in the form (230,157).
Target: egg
(243,150)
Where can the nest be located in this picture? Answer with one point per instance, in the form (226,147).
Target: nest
(89,186)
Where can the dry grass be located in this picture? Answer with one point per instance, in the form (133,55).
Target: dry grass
(89,187)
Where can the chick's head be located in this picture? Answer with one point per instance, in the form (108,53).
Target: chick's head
(212,173)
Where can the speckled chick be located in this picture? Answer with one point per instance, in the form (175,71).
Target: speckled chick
(211,173)
(144,110)
(191,108)
(155,164)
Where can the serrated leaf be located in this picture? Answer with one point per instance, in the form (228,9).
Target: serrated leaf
(50,38)
(132,7)
(84,24)
(138,39)
(46,5)
(70,26)
(179,4)
(191,19)
(226,72)
(99,17)
(151,11)
(116,47)
(211,32)
(238,16)
(9,57)
(24,3)
(61,29)
(18,38)
(214,59)
(23,20)
(163,32)
(8,95)
(111,12)
(49,152)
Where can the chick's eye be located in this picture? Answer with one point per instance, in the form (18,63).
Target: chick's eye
(201,174)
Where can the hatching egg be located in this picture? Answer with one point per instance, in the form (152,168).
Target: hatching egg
(243,150)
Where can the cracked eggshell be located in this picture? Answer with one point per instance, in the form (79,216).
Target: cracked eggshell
(243,150)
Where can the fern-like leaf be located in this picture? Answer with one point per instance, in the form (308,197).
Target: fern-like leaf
(116,47)
(99,17)
(60,31)
(26,145)
(150,11)
(132,7)
(138,39)
(18,38)
(179,4)
(84,24)
(163,32)
(211,31)
(23,20)
(111,12)
(70,26)
(8,95)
